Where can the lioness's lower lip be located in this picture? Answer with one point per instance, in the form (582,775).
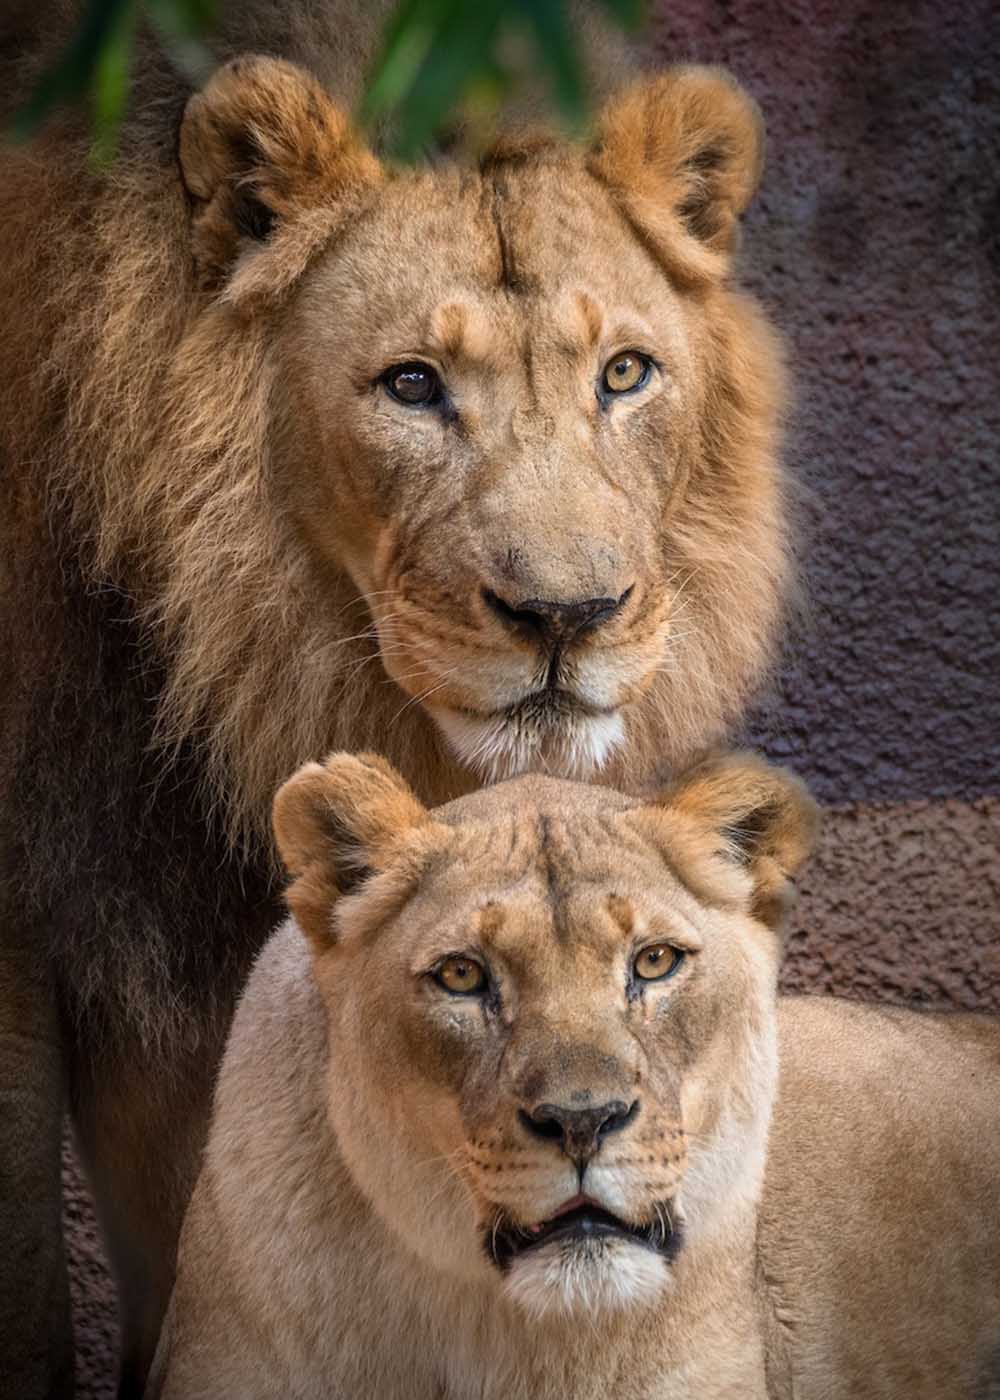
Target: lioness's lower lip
(588,1221)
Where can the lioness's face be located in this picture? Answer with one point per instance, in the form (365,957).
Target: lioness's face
(551,1038)
(502,397)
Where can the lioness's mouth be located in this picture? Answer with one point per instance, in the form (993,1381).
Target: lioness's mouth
(580,1221)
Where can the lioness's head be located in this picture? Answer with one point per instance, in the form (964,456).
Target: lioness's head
(551,1019)
(519,407)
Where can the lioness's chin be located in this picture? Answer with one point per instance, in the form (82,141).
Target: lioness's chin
(570,745)
(592,1276)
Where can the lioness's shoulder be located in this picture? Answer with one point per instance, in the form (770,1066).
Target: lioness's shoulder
(876,1099)
(278,1036)
(829,1038)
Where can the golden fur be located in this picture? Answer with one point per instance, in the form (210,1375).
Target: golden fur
(204,445)
(371,1142)
(224,548)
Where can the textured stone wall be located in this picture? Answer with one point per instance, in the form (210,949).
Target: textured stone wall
(876,244)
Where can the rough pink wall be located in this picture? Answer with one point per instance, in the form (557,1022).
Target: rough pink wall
(876,243)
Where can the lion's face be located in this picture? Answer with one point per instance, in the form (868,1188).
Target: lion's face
(551,1014)
(515,395)
(518,422)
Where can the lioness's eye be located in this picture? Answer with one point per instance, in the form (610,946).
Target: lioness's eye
(414,384)
(657,961)
(630,370)
(463,976)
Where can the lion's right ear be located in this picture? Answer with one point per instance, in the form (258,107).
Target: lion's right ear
(274,166)
(335,824)
(683,153)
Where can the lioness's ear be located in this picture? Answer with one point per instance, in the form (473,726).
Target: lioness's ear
(760,817)
(336,823)
(683,153)
(273,162)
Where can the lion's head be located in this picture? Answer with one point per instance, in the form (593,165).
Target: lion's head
(551,1012)
(470,463)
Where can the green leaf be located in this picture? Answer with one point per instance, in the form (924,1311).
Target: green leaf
(436,55)
(96,63)
(435,51)
(558,52)
(110,86)
(406,43)
(73,74)
(630,14)
(441,54)
(182,25)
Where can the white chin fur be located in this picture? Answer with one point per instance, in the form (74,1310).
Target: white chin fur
(502,747)
(593,1277)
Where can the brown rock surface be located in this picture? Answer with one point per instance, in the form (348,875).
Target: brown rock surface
(901,903)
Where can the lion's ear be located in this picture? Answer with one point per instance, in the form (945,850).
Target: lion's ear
(683,153)
(273,165)
(335,824)
(757,817)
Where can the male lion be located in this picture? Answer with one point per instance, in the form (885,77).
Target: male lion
(474,466)
(494,1116)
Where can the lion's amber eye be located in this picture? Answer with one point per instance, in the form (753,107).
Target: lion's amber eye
(415,384)
(626,371)
(657,961)
(461,975)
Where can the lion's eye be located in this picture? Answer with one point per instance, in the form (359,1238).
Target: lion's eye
(629,370)
(657,961)
(461,975)
(415,384)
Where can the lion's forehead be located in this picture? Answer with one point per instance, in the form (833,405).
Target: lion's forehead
(511,242)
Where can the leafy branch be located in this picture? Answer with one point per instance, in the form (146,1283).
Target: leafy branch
(436,56)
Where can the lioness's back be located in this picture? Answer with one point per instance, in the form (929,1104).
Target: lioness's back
(881,1212)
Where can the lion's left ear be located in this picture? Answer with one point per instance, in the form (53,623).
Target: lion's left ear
(335,824)
(756,816)
(683,153)
(274,166)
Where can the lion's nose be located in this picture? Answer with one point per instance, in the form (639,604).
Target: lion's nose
(555,624)
(579,1131)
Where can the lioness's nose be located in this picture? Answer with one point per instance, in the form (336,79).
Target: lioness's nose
(554,623)
(579,1131)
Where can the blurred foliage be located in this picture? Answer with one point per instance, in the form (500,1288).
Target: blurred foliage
(436,56)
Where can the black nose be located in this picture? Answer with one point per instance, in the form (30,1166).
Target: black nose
(555,624)
(579,1131)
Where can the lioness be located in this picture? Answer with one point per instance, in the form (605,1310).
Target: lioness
(495,1120)
(475,464)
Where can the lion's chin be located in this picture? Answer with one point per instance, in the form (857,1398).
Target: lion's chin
(592,1276)
(562,741)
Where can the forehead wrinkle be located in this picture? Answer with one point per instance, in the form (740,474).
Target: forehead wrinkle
(510,275)
(528,357)
(567,875)
(549,214)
